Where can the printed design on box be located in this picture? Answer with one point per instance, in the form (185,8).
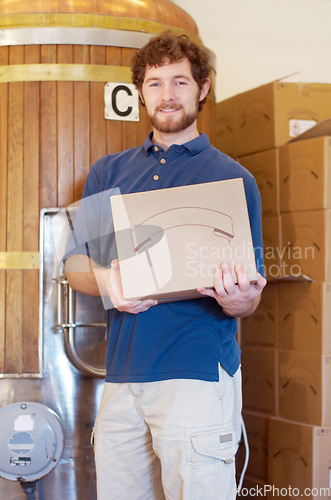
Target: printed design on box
(263,177)
(290,449)
(296,376)
(169,245)
(257,373)
(302,306)
(225,125)
(263,314)
(253,111)
(258,380)
(306,238)
(302,165)
(304,234)
(157,224)
(305,317)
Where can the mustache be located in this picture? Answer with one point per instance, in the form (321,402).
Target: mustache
(168,106)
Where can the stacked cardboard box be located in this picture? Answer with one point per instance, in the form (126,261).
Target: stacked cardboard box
(269,116)
(259,342)
(305,204)
(303,426)
(286,344)
(252,127)
(259,346)
(264,165)
(299,459)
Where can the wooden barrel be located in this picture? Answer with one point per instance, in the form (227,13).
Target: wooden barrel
(55,58)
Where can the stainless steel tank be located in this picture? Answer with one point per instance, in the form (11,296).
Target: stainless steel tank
(73,344)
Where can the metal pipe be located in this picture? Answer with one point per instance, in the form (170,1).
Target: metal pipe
(67,325)
(29,489)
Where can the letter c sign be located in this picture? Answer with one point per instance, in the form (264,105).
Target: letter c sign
(121,102)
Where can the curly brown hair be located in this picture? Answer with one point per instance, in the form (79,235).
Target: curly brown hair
(168,47)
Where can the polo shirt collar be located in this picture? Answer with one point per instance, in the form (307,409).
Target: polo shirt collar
(194,146)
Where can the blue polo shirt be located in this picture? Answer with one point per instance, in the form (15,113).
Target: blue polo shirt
(185,339)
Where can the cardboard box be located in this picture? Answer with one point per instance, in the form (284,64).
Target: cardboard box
(300,457)
(169,241)
(270,115)
(225,133)
(272,245)
(259,367)
(257,434)
(306,244)
(304,387)
(305,177)
(265,168)
(305,317)
(261,328)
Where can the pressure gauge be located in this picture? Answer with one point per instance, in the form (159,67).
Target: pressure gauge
(31,441)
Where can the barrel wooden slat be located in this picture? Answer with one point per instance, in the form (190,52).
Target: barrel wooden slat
(3,200)
(14,302)
(13,344)
(48,129)
(98,123)
(130,130)
(30,326)
(65,132)
(113,127)
(81,111)
(145,124)
(30,330)
(31,156)
(15,157)
(3,151)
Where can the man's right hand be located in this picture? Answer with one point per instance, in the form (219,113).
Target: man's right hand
(87,277)
(110,280)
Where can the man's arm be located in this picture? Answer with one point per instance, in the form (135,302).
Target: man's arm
(87,277)
(238,300)
(80,275)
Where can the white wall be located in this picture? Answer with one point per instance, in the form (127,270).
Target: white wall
(258,41)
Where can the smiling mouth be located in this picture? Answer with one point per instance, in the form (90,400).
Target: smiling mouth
(168,110)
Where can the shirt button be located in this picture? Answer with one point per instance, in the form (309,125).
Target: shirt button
(162,161)
(156,148)
(156,177)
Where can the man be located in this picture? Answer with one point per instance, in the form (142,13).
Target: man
(169,420)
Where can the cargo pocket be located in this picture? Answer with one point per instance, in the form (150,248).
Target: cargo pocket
(212,456)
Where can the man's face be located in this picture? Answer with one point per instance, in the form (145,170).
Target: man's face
(171,96)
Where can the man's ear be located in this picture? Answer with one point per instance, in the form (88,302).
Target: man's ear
(205,90)
(141,97)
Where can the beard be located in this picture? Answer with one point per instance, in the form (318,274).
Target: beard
(171,125)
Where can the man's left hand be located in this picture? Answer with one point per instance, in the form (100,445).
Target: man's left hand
(236,299)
